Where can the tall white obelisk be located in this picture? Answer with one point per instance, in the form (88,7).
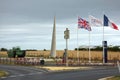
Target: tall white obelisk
(53,43)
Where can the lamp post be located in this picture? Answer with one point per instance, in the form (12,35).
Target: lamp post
(66,36)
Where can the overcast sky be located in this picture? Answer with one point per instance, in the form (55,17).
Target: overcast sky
(29,23)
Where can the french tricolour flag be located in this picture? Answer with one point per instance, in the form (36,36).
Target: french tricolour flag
(107,22)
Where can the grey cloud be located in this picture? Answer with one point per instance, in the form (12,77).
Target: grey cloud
(29,23)
(26,11)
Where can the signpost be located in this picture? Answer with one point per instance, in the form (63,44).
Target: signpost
(66,36)
(105,55)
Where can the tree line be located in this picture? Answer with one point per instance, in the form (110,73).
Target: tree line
(100,48)
(97,48)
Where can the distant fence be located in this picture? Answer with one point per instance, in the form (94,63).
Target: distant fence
(24,61)
(58,62)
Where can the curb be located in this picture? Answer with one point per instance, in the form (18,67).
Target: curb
(105,78)
(61,70)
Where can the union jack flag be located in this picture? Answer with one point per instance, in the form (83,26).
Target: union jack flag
(83,24)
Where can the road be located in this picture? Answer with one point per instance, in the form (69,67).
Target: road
(28,73)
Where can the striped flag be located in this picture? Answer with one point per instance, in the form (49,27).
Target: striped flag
(107,22)
(83,24)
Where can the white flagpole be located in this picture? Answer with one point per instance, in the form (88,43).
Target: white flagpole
(89,49)
(89,43)
(103,41)
(77,46)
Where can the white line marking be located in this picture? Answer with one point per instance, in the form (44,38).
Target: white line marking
(20,75)
(3,77)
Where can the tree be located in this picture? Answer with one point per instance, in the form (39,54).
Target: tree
(114,48)
(98,48)
(4,49)
(75,49)
(44,50)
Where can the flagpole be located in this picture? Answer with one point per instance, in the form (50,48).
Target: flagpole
(77,46)
(89,43)
(89,49)
(97,22)
(102,42)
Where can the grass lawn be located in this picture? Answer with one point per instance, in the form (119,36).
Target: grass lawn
(114,78)
(2,73)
